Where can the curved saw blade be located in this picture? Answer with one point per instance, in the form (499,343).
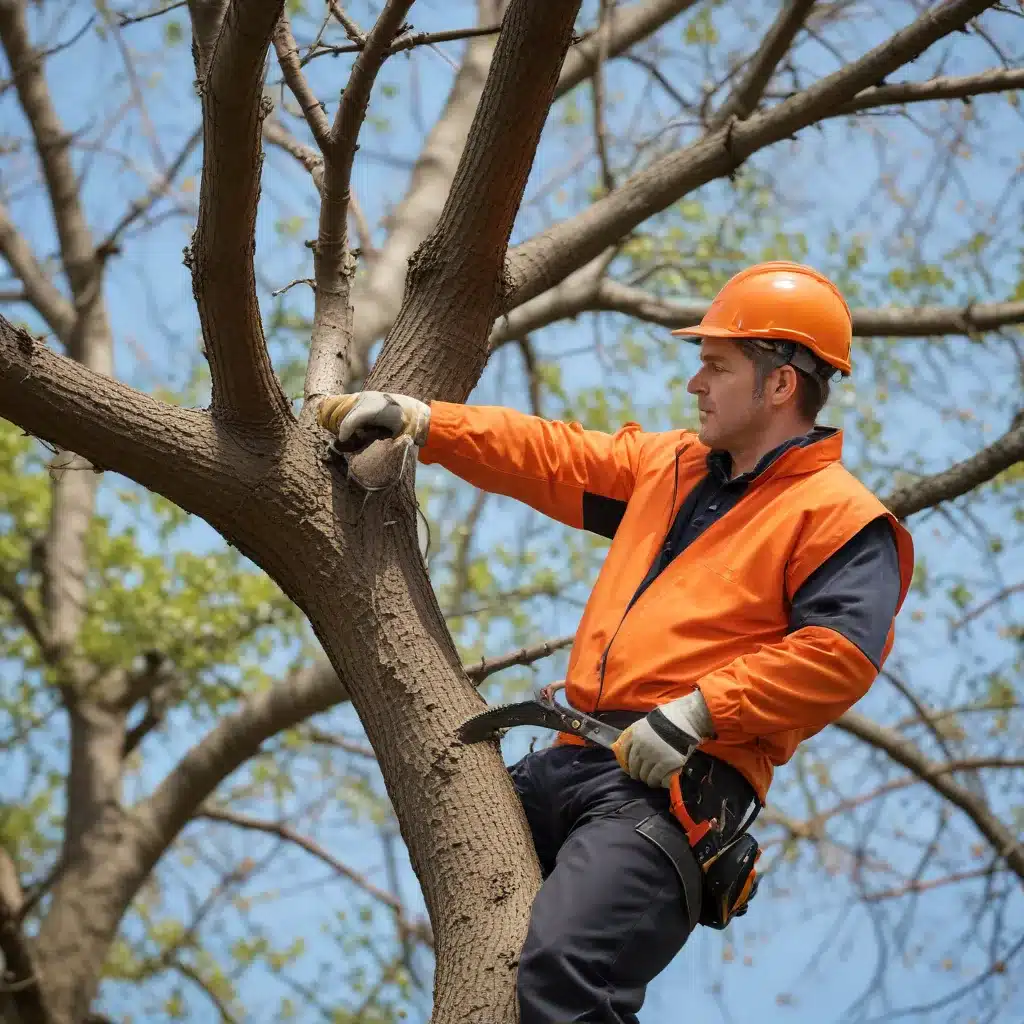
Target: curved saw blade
(539,713)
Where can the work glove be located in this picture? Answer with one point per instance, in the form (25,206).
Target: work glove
(357,419)
(654,748)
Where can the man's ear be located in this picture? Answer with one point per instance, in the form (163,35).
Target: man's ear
(785,386)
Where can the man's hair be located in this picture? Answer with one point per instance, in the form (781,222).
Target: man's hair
(813,388)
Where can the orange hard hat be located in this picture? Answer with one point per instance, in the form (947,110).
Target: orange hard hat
(782,301)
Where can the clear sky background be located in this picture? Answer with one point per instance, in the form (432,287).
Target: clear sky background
(807,938)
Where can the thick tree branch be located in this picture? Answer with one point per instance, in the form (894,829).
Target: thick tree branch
(378,294)
(327,371)
(743,100)
(587,290)
(230,64)
(418,929)
(180,453)
(903,752)
(548,258)
(962,477)
(463,259)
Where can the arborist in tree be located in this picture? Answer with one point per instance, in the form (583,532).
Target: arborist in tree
(747,600)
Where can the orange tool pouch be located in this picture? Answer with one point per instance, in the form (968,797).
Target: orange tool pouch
(729,874)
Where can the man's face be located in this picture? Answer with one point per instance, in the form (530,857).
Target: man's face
(730,415)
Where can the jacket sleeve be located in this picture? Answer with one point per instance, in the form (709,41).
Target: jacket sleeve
(579,477)
(841,631)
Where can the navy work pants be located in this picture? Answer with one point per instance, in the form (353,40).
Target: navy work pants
(621,889)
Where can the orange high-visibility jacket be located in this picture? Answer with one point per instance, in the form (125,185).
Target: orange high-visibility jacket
(717,616)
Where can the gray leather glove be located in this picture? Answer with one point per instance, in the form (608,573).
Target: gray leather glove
(365,416)
(657,746)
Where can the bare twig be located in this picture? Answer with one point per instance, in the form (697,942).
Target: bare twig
(980,610)
(419,929)
(525,656)
(276,134)
(743,100)
(44,55)
(903,752)
(124,19)
(409,41)
(157,190)
(917,886)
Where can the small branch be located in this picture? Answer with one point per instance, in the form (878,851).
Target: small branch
(547,258)
(886,322)
(946,87)
(45,55)
(962,477)
(140,207)
(19,978)
(288,57)
(11,591)
(903,752)
(331,342)
(914,887)
(276,134)
(292,284)
(525,656)
(330,739)
(418,929)
(352,30)
(996,598)
(231,47)
(410,40)
(742,102)
(631,25)
(124,19)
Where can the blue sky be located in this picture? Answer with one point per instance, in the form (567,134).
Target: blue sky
(827,181)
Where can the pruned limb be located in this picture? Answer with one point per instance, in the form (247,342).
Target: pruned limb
(230,63)
(378,294)
(962,477)
(743,100)
(327,371)
(549,257)
(418,929)
(904,752)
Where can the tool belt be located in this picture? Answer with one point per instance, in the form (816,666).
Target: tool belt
(715,805)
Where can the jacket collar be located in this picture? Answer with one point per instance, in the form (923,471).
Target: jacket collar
(797,456)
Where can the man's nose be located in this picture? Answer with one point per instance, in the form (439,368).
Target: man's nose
(695,385)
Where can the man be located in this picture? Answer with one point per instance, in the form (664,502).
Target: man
(746,601)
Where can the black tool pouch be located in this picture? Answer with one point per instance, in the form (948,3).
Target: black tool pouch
(730,882)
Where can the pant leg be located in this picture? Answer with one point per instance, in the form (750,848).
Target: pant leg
(611,915)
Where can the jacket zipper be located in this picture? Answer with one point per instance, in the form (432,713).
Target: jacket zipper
(636,595)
